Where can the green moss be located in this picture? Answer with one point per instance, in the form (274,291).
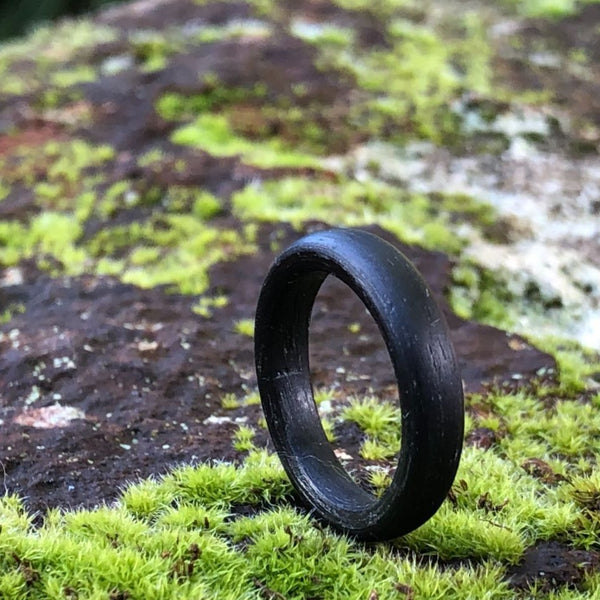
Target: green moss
(414,218)
(244,327)
(10,311)
(49,235)
(54,49)
(72,76)
(170,249)
(230,401)
(242,439)
(384,9)
(205,306)
(59,42)
(235,29)
(381,421)
(182,535)
(173,250)
(411,86)
(465,207)
(53,98)
(373,416)
(59,166)
(500,507)
(376,450)
(577,365)
(4,190)
(327,35)
(151,158)
(151,49)
(477,294)
(213,134)
(174,106)
(206,205)
(553,9)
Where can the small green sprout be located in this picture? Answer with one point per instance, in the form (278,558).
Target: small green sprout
(375,417)
(354,328)
(372,449)
(328,428)
(205,305)
(230,401)
(242,439)
(252,399)
(244,327)
(380,480)
(10,311)
(206,206)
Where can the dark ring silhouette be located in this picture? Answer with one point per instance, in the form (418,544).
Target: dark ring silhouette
(425,367)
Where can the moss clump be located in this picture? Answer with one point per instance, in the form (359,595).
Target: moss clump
(213,134)
(183,535)
(50,236)
(174,250)
(553,9)
(4,189)
(151,49)
(244,327)
(59,42)
(325,35)
(54,162)
(414,218)
(411,87)
(384,9)
(174,106)
(12,309)
(206,206)
(58,46)
(465,208)
(579,368)
(73,76)
(249,28)
(206,305)
(174,246)
(243,439)
(477,294)
(62,175)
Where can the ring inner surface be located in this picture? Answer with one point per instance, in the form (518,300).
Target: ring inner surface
(310,450)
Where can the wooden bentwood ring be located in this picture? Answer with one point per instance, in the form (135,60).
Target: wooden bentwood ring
(425,367)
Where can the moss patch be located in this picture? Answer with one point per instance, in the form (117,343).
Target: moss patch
(213,134)
(186,535)
(414,218)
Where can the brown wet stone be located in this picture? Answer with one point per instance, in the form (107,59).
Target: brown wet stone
(154,14)
(279,62)
(550,565)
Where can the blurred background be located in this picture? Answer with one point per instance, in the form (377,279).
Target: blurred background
(17,18)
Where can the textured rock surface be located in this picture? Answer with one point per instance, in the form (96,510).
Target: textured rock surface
(156,157)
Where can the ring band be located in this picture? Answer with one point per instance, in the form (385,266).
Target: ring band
(425,367)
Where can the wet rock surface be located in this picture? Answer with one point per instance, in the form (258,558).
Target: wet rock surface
(550,565)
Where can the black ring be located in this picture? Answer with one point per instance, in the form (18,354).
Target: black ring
(425,367)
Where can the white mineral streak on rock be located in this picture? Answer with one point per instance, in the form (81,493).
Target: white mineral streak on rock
(552,201)
(214,420)
(341,454)
(12,276)
(49,417)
